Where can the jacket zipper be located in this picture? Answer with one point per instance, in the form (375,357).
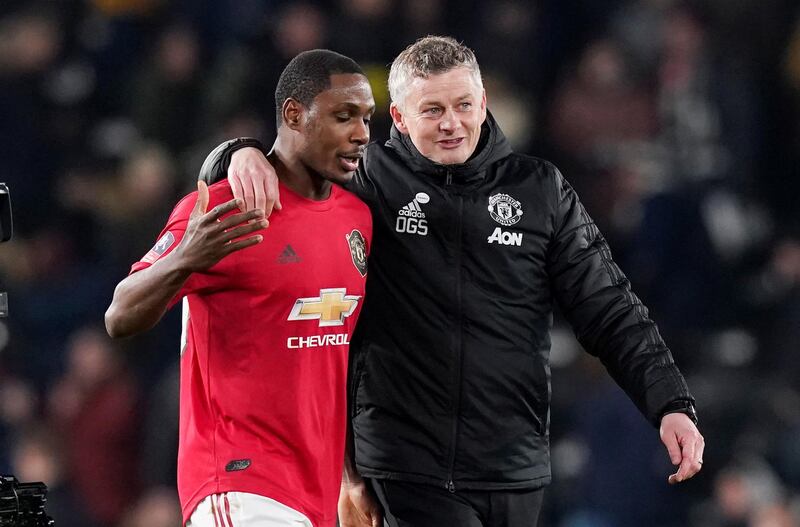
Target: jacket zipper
(450,486)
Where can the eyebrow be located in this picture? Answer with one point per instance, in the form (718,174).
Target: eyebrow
(426,102)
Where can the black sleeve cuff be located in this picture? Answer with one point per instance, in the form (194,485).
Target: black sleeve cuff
(682,406)
(215,167)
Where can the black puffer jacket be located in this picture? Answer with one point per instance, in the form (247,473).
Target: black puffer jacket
(451,381)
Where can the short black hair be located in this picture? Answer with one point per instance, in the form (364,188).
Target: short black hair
(309,74)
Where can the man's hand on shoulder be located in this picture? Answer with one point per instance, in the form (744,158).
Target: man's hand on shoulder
(684,443)
(208,239)
(254,181)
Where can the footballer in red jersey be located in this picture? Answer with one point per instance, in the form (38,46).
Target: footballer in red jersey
(268,314)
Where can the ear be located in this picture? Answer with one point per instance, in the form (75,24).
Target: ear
(483,107)
(397,118)
(292,113)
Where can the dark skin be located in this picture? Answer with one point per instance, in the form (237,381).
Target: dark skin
(142,298)
(316,146)
(323,144)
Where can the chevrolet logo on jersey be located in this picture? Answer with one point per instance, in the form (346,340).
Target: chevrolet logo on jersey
(330,308)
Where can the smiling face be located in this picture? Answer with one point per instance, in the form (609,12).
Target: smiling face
(443,114)
(335,127)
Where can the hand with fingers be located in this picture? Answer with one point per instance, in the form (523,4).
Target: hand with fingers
(208,238)
(357,507)
(685,445)
(254,181)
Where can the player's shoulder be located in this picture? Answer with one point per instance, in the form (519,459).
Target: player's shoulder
(218,193)
(349,198)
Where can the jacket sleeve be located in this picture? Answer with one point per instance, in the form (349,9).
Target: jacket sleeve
(215,167)
(609,320)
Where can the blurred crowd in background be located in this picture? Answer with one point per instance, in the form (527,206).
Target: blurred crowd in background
(677,122)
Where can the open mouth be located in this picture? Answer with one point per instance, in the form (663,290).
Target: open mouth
(451,143)
(349,162)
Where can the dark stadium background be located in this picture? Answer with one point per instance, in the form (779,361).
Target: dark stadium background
(678,123)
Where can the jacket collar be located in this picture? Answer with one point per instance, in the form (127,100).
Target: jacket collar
(492,146)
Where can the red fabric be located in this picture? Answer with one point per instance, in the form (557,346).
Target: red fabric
(247,391)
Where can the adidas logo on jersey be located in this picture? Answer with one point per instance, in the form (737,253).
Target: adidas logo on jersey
(288,256)
(412,210)
(411,218)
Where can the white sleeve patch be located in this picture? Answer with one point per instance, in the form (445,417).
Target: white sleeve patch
(159,248)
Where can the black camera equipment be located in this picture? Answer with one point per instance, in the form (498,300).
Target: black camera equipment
(6,230)
(22,504)
(6,226)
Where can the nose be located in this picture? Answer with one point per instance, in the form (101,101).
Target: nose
(360,135)
(449,122)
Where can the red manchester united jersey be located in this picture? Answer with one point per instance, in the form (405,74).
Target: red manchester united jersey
(264,354)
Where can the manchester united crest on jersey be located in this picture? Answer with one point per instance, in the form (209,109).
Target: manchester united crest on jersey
(504,209)
(358,250)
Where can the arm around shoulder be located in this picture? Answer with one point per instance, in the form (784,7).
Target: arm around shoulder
(252,178)
(215,166)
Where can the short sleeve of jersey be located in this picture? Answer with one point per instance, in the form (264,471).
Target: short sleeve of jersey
(168,240)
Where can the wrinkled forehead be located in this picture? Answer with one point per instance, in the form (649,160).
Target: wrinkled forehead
(454,83)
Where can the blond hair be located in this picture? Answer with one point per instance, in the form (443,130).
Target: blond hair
(428,56)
